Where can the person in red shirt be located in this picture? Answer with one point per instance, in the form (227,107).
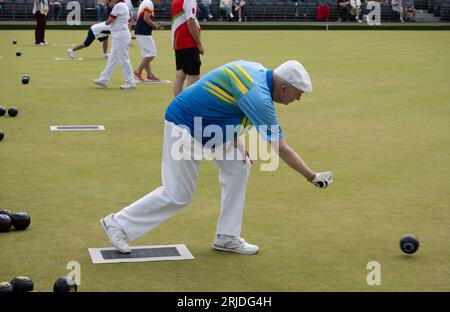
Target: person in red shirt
(322,11)
(186,42)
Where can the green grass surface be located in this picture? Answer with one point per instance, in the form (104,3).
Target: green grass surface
(379,118)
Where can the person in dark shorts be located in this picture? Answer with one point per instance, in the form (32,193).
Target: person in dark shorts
(188,60)
(186,42)
(99,31)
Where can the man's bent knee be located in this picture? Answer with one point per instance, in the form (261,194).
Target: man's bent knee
(179,199)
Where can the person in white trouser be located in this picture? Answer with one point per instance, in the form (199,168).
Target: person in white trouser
(237,94)
(121,37)
(356,9)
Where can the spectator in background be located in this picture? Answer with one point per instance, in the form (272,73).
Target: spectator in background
(56,9)
(344,11)
(109,7)
(203,9)
(225,8)
(101,9)
(1,9)
(322,11)
(409,10)
(40,11)
(356,9)
(397,6)
(238,6)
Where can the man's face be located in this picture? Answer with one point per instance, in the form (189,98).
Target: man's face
(289,94)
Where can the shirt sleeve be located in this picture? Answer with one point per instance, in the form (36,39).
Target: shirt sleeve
(150,9)
(258,107)
(118,10)
(190,8)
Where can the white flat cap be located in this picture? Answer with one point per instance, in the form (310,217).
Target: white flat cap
(295,74)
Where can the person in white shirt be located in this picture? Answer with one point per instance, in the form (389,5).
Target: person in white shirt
(238,6)
(121,37)
(99,31)
(226,7)
(356,9)
(397,6)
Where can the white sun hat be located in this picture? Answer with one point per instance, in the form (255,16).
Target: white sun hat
(295,74)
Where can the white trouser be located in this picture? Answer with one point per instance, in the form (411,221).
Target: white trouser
(179,179)
(119,54)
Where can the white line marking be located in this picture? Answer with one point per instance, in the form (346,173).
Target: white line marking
(68,59)
(77,128)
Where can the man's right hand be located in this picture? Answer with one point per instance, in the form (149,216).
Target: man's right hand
(323,179)
(160,25)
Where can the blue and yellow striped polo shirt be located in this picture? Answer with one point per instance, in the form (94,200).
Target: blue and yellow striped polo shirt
(237,93)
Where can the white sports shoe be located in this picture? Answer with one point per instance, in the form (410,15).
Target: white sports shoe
(71,53)
(115,234)
(234,244)
(105,56)
(128,85)
(100,82)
